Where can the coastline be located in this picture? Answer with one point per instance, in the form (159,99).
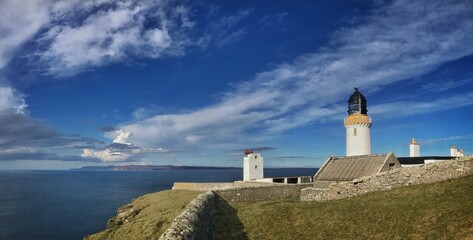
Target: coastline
(233,198)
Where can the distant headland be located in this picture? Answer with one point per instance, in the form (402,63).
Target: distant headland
(148,168)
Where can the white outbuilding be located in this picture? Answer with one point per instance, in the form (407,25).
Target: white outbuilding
(252,166)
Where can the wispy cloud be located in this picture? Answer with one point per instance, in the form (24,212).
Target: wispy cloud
(228,29)
(288,157)
(69,37)
(272,21)
(397,41)
(444,139)
(29,18)
(419,107)
(19,130)
(36,155)
(11,100)
(445,85)
(239,152)
(22,138)
(107,128)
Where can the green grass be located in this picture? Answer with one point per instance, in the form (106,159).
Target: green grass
(156,213)
(436,211)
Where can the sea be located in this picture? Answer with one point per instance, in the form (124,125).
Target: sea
(72,204)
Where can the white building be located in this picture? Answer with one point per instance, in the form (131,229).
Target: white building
(414,149)
(455,152)
(357,126)
(252,166)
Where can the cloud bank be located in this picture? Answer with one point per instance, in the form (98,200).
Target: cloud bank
(22,138)
(72,36)
(115,33)
(63,38)
(397,41)
(121,150)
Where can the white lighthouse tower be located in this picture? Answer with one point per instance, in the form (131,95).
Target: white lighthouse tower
(453,151)
(357,126)
(414,149)
(252,166)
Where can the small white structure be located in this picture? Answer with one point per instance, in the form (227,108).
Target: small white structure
(453,151)
(357,126)
(414,149)
(252,166)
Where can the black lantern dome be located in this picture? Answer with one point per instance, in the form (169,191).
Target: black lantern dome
(357,103)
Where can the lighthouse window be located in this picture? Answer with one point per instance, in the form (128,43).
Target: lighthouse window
(256,166)
(354,131)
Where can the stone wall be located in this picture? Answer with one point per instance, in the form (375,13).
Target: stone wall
(277,191)
(202,186)
(427,173)
(195,222)
(242,184)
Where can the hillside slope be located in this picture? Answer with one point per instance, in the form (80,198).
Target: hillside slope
(146,217)
(441,210)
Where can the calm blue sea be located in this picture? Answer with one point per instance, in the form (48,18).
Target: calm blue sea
(72,204)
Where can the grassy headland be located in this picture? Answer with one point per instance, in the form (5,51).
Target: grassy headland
(151,215)
(441,210)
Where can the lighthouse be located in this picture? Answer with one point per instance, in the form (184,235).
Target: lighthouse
(252,166)
(357,125)
(414,149)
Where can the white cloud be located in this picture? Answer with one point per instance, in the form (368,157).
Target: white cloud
(19,22)
(444,139)
(116,34)
(11,99)
(121,150)
(396,42)
(122,137)
(73,36)
(445,85)
(228,28)
(419,107)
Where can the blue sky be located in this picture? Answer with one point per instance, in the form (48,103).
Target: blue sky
(196,82)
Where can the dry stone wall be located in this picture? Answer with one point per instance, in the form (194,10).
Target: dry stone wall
(262,193)
(195,222)
(200,186)
(428,173)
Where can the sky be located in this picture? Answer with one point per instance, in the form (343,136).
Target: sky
(105,82)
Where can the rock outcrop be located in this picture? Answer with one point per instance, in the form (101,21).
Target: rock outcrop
(125,213)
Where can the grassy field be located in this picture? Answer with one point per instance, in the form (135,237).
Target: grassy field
(156,212)
(436,211)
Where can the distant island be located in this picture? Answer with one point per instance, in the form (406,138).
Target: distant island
(148,168)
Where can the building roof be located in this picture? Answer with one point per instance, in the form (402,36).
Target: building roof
(349,168)
(420,160)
